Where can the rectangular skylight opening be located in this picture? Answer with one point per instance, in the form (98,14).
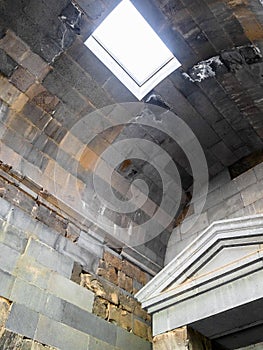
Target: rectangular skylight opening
(132,50)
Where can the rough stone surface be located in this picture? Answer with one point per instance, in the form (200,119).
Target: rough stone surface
(182,339)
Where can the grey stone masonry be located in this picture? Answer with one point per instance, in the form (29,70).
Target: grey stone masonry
(35,269)
(226,198)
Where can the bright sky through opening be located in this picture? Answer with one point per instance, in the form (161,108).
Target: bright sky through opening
(132,42)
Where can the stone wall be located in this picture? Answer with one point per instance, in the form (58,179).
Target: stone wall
(40,101)
(60,287)
(226,198)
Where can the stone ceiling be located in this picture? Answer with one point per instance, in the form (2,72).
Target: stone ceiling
(218,92)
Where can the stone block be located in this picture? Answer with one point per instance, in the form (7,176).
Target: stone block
(29,295)
(246,179)
(127,303)
(140,329)
(195,226)
(10,341)
(225,208)
(12,237)
(43,98)
(14,46)
(4,311)
(89,323)
(49,217)
(7,64)
(8,258)
(252,193)
(176,339)
(90,244)
(38,346)
(129,341)
(22,79)
(35,115)
(100,307)
(20,102)
(6,284)
(134,272)
(22,320)
(125,282)
(54,307)
(258,169)
(84,257)
(109,273)
(120,317)
(27,344)
(59,335)
(8,92)
(71,292)
(96,344)
(229,189)
(49,258)
(31,271)
(35,65)
(113,260)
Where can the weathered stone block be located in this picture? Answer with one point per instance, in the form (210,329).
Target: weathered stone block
(7,64)
(134,272)
(120,317)
(22,79)
(8,92)
(14,46)
(140,328)
(100,288)
(22,320)
(43,98)
(31,271)
(176,339)
(112,260)
(10,341)
(100,307)
(4,311)
(49,258)
(84,257)
(35,65)
(125,282)
(108,273)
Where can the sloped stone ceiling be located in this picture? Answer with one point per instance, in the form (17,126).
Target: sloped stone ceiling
(53,80)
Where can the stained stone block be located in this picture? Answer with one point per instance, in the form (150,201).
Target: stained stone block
(29,270)
(22,320)
(48,257)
